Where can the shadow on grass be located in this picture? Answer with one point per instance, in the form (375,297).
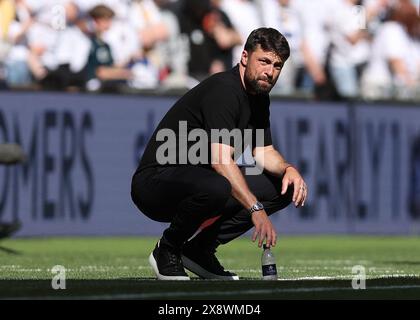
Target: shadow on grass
(151,289)
(9,251)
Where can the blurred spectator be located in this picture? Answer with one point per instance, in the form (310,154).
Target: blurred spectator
(223,35)
(121,8)
(152,30)
(42,37)
(165,49)
(146,17)
(283,16)
(376,13)
(245,17)
(123,41)
(175,50)
(163,44)
(394,65)
(63,67)
(100,66)
(315,16)
(349,47)
(212,38)
(17,70)
(7,13)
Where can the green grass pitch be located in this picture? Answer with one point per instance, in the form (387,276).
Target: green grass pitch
(310,267)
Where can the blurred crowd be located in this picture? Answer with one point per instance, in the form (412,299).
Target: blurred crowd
(340,49)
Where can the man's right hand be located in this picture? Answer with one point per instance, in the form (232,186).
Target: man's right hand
(264,229)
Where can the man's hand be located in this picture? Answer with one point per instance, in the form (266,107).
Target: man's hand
(292,176)
(264,229)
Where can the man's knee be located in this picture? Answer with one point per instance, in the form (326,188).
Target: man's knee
(217,188)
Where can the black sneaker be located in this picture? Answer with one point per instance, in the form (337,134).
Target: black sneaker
(167,264)
(203,262)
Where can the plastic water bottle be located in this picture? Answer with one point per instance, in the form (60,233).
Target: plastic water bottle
(268,263)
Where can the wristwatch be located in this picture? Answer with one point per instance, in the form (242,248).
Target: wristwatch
(256,207)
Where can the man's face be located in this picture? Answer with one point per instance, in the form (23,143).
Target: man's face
(262,69)
(103,24)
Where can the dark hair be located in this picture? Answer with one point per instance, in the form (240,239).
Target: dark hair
(270,40)
(101,11)
(405,13)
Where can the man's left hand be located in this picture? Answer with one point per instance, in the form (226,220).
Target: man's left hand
(300,191)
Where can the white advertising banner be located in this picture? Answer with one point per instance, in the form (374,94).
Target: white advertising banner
(361,164)
(82,151)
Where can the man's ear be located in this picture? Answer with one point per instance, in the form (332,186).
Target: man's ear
(244,58)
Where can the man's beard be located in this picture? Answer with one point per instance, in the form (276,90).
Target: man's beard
(260,89)
(257,87)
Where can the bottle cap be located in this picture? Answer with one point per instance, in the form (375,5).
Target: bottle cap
(265,246)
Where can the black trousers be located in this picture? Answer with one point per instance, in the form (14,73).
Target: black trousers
(186,196)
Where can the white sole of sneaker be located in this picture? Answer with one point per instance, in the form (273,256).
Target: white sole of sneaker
(199,271)
(153,263)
